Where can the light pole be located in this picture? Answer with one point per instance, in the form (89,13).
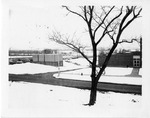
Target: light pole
(58,66)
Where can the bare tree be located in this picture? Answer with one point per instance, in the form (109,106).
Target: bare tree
(106,20)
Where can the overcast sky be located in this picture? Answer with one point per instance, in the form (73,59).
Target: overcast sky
(31,22)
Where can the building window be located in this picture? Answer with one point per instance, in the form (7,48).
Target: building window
(136,61)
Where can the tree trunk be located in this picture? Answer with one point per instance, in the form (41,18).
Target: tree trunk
(93,92)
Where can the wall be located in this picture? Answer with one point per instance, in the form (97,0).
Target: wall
(119,60)
(48,59)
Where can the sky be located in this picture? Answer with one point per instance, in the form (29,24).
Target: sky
(30,23)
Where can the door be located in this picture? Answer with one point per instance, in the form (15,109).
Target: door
(136,61)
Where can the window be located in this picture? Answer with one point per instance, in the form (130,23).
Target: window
(136,61)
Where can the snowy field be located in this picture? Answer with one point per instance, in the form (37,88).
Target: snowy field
(38,100)
(112,74)
(33,68)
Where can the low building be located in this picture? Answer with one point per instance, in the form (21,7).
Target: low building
(19,59)
(48,59)
(132,59)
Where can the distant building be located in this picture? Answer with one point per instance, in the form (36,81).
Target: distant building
(49,51)
(31,52)
(48,59)
(46,56)
(19,59)
(132,59)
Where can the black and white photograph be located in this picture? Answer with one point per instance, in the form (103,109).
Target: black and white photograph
(74,59)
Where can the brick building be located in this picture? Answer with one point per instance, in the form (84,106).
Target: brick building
(132,59)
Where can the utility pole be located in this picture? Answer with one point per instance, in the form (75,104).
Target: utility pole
(141,50)
(58,65)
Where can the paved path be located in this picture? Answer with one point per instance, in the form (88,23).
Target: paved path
(47,78)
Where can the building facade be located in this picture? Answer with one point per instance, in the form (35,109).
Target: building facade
(132,59)
(48,59)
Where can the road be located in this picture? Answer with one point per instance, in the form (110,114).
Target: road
(47,78)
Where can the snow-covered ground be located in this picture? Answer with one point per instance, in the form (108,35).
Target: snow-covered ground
(80,61)
(39,100)
(112,75)
(33,68)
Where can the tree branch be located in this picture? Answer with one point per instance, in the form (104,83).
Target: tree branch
(89,23)
(74,12)
(91,13)
(77,49)
(105,31)
(85,56)
(58,38)
(128,12)
(121,27)
(103,20)
(134,17)
(111,37)
(126,41)
(85,15)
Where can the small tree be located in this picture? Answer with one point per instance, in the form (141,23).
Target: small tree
(106,20)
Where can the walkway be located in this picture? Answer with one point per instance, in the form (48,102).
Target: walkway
(47,78)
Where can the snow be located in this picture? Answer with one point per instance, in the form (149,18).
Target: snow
(33,68)
(112,75)
(39,100)
(30,68)
(110,79)
(118,71)
(115,71)
(80,61)
(20,56)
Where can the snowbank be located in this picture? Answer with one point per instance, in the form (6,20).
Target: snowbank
(33,68)
(115,71)
(80,61)
(110,79)
(112,75)
(30,68)
(38,100)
